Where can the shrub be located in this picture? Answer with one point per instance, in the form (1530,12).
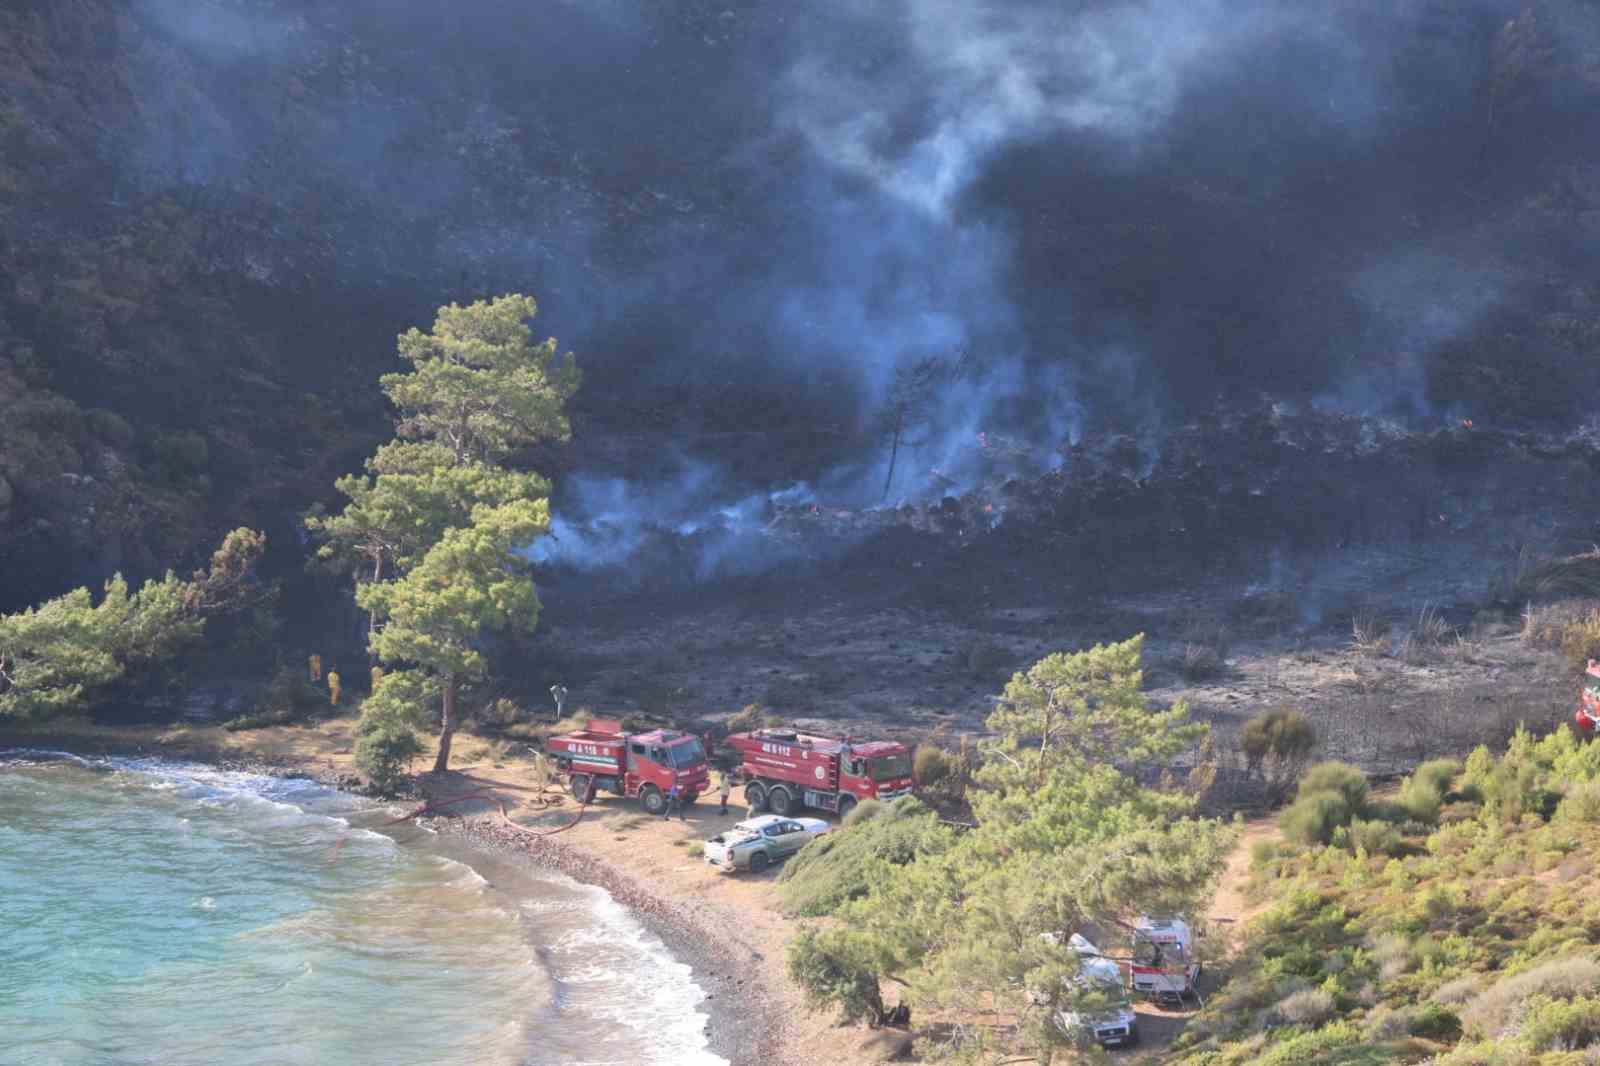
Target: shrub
(1456,991)
(500,713)
(181,454)
(1423,793)
(829,972)
(1496,1009)
(1580,640)
(864,811)
(1435,1021)
(384,753)
(1200,663)
(835,868)
(1387,811)
(1387,1023)
(110,427)
(1375,838)
(1581,804)
(1560,1025)
(1278,744)
(1314,816)
(932,767)
(1393,954)
(1338,777)
(1309,1006)
(1263,853)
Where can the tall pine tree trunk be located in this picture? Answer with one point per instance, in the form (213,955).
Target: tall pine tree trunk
(447,724)
(894,453)
(372,615)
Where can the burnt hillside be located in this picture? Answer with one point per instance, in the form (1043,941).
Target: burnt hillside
(215,215)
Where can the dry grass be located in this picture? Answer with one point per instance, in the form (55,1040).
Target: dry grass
(1498,1008)
(1544,624)
(1309,1006)
(1369,632)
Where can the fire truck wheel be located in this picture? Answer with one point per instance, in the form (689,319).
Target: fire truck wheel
(580,787)
(756,796)
(780,801)
(651,799)
(846,805)
(759,862)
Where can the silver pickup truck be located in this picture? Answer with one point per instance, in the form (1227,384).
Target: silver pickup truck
(758,843)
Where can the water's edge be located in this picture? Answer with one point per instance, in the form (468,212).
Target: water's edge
(733,1024)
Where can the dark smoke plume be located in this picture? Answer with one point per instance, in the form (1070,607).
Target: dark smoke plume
(1113,213)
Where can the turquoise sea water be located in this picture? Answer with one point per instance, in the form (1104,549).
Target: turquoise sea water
(172,915)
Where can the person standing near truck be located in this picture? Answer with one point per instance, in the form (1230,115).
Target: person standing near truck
(674,803)
(725,789)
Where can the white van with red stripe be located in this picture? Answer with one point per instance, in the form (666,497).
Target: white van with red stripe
(1164,966)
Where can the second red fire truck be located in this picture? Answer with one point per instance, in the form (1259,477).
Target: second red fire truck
(785,770)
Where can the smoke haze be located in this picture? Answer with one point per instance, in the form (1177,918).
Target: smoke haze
(747,216)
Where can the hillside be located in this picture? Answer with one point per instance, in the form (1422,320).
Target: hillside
(1454,924)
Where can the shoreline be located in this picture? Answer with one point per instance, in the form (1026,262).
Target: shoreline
(741,1018)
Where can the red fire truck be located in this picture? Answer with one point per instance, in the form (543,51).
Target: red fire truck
(786,770)
(1587,715)
(645,765)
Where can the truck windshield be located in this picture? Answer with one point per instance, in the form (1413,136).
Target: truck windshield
(890,767)
(683,755)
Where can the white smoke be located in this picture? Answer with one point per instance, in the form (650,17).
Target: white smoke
(981,75)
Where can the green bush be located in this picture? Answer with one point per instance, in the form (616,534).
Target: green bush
(1581,804)
(828,972)
(1277,744)
(181,454)
(1561,1025)
(384,754)
(1387,811)
(864,811)
(1338,777)
(1435,1021)
(1423,793)
(933,767)
(1315,816)
(835,868)
(1375,838)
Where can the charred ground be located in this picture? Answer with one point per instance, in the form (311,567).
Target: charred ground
(1247,548)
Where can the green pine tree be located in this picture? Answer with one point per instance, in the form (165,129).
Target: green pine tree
(435,526)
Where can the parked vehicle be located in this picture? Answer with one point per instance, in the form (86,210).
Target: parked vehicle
(1587,715)
(759,842)
(1118,1025)
(786,770)
(1164,966)
(642,765)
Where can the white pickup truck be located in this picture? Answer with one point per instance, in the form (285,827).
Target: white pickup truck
(758,843)
(1117,1025)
